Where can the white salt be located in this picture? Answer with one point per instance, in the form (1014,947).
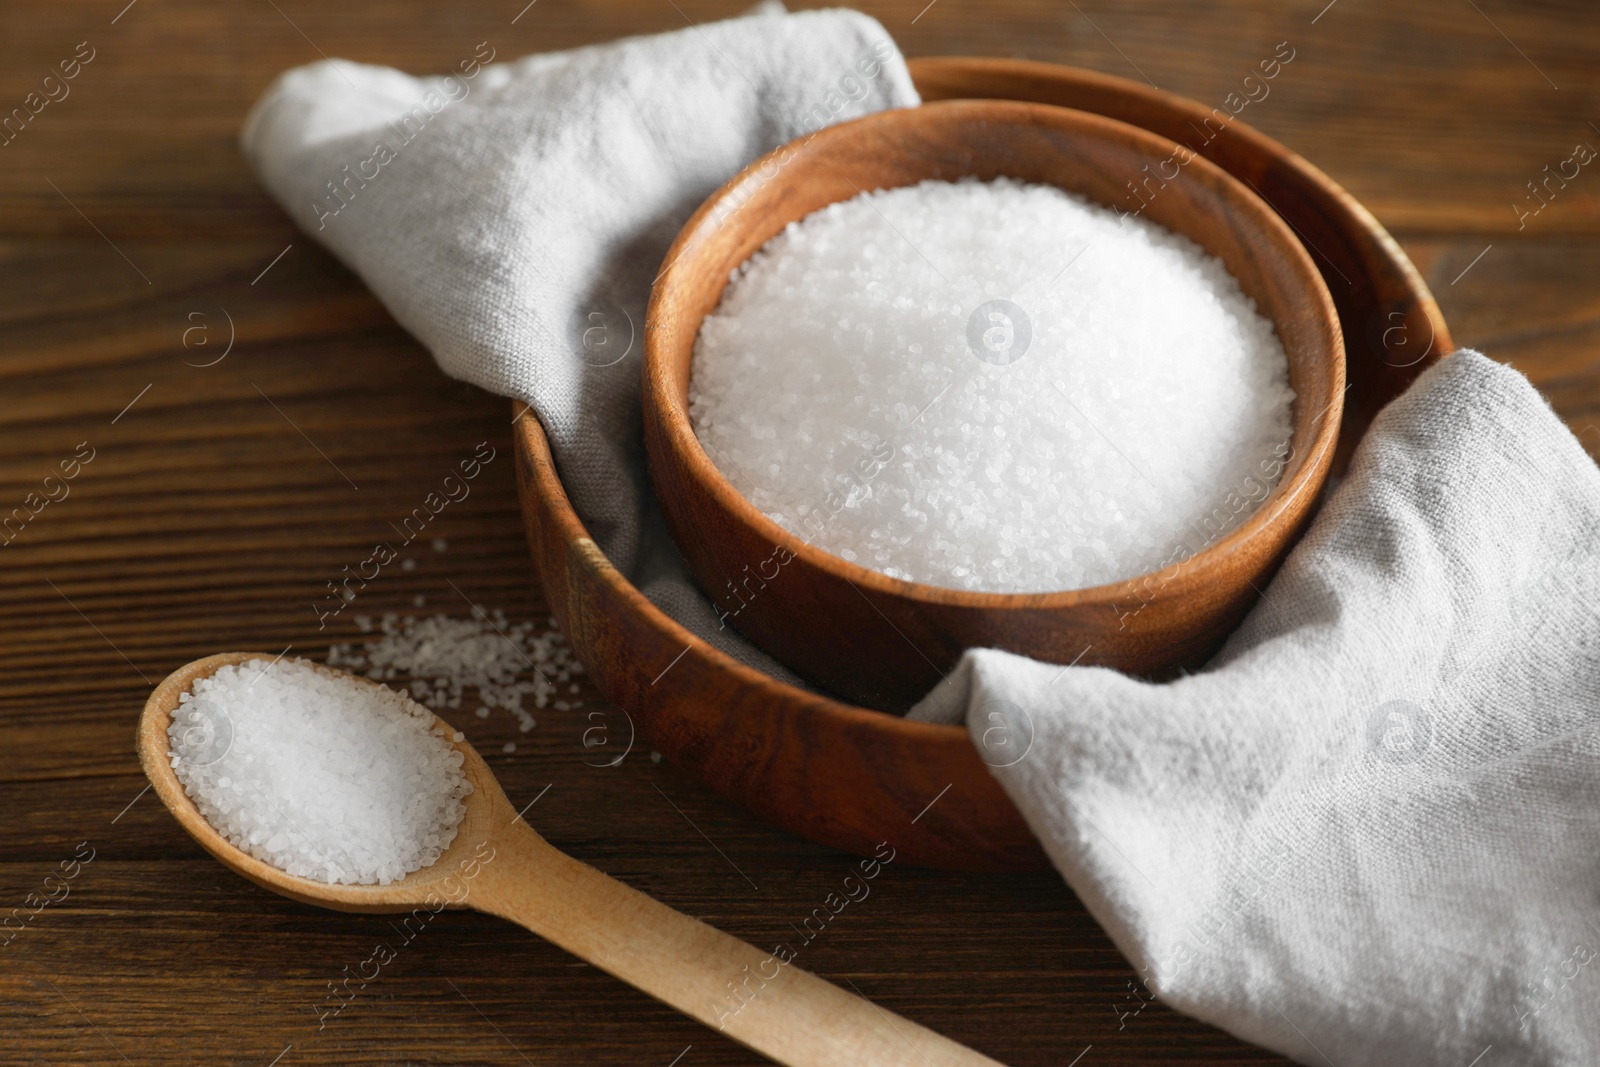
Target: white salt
(992,386)
(324,777)
(443,657)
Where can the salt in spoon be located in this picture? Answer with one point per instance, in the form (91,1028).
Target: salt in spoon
(499,865)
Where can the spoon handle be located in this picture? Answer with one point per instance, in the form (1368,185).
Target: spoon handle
(754,997)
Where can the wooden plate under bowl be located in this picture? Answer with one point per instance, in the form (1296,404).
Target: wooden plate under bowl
(850,777)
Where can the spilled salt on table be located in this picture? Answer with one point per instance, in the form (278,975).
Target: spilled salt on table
(504,662)
(992,386)
(322,776)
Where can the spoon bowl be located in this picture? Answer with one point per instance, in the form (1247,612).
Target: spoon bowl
(486,806)
(499,865)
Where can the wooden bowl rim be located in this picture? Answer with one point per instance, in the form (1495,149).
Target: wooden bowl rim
(1178,579)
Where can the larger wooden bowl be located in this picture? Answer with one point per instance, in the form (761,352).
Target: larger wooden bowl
(885,642)
(849,777)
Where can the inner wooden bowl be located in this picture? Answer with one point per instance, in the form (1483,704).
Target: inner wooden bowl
(885,642)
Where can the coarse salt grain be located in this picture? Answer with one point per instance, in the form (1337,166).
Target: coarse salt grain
(324,777)
(838,387)
(504,662)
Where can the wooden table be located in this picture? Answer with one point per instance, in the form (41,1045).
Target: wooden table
(220,498)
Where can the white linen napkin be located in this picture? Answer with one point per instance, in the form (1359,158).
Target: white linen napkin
(512,215)
(1369,831)
(1365,833)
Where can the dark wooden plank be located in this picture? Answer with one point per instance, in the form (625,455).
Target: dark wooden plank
(1534,303)
(1427,113)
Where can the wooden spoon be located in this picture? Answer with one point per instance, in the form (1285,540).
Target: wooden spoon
(497,864)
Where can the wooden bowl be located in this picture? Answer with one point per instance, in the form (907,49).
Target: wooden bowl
(885,642)
(851,778)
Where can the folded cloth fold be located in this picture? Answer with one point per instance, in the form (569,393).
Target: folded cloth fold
(1369,831)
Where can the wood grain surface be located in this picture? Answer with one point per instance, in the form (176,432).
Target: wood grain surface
(219,503)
